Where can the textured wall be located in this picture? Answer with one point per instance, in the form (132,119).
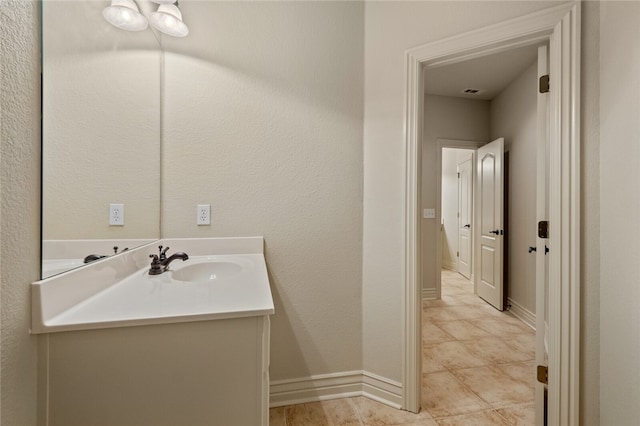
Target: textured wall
(514,116)
(20,206)
(263,120)
(619,208)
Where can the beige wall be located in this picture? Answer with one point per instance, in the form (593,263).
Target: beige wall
(263,120)
(444,118)
(20,206)
(514,117)
(620,210)
(390,29)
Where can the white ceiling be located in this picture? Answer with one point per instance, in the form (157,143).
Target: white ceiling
(491,73)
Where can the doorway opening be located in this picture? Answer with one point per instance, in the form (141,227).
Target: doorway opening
(486,354)
(560,27)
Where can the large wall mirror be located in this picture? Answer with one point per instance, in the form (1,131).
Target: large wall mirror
(100,135)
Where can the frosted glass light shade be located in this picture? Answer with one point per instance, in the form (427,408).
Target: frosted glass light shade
(168,19)
(124,14)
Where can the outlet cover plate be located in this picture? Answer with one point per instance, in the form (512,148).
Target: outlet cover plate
(116,214)
(204,214)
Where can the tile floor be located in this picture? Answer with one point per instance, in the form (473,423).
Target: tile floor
(477,370)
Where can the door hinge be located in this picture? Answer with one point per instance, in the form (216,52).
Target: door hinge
(457,254)
(543,374)
(544,84)
(543,229)
(458,175)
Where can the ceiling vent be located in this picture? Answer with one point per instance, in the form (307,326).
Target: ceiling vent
(470,91)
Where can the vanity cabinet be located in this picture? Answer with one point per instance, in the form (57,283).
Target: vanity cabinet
(201,373)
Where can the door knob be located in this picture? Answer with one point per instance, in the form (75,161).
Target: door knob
(494,232)
(532,249)
(468,225)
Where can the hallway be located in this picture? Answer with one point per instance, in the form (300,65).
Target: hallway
(478,363)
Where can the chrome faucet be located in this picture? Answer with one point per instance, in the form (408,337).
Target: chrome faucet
(160,263)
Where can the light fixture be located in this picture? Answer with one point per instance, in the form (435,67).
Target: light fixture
(125,15)
(168,19)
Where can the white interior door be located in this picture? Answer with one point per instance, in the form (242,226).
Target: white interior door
(489,226)
(465,199)
(542,264)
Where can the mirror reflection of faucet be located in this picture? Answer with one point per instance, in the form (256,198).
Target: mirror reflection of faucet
(160,263)
(93,257)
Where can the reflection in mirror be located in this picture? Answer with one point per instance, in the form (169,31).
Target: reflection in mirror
(100,135)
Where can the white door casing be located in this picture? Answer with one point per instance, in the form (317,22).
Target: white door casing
(559,25)
(489,229)
(465,211)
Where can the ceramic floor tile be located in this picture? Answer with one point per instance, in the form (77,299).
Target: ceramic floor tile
(453,291)
(429,363)
(453,355)
(525,372)
(463,330)
(443,395)
(470,299)
(523,343)
(337,412)
(483,418)
(277,417)
(447,313)
(495,387)
(445,301)
(466,312)
(495,351)
(519,415)
(431,333)
(503,326)
(373,413)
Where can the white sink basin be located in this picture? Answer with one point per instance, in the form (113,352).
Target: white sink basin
(204,272)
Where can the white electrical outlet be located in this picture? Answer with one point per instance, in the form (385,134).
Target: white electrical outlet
(204,214)
(116,214)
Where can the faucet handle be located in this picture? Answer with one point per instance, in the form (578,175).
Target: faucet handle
(156,266)
(163,252)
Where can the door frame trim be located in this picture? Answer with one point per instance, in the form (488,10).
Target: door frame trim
(454,144)
(560,26)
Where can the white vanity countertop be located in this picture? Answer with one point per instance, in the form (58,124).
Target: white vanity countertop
(205,287)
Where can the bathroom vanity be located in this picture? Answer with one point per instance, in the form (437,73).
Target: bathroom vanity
(187,347)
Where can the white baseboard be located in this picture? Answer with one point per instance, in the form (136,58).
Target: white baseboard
(428,294)
(523,314)
(337,385)
(381,389)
